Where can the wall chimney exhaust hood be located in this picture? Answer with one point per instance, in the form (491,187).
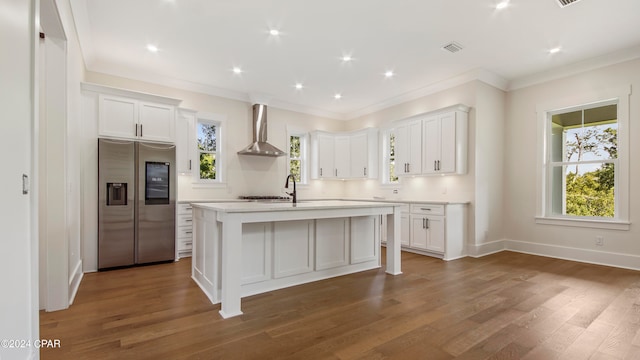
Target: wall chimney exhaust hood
(260,146)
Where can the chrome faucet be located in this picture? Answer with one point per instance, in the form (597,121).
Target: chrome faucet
(286,186)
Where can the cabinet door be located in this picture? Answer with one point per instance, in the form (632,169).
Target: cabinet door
(342,162)
(359,151)
(418,232)
(157,122)
(415,148)
(402,148)
(435,233)
(431,143)
(185,128)
(117,117)
(447,143)
(326,153)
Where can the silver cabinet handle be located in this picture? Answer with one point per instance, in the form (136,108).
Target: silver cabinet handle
(187,220)
(427,223)
(435,166)
(408,167)
(320,171)
(423,223)
(336,172)
(365,171)
(426,209)
(188,232)
(140,130)
(189,164)
(438,165)
(136,129)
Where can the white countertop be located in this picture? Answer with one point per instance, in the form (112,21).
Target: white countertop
(403,201)
(251,206)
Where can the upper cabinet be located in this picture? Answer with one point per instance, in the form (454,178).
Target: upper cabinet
(125,114)
(433,143)
(345,155)
(409,147)
(185,140)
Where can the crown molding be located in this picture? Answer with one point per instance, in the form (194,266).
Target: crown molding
(598,62)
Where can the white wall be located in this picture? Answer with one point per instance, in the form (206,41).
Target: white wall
(621,248)
(19,265)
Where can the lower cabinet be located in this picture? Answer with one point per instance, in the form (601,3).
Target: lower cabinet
(436,229)
(184,230)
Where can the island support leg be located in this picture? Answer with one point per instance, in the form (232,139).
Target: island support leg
(231,268)
(393,244)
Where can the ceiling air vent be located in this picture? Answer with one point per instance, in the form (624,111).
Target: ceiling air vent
(453,47)
(564,3)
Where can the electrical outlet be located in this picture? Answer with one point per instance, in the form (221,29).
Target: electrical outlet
(599,241)
(395,191)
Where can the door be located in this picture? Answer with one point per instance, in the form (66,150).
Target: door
(118,117)
(418,232)
(359,151)
(157,122)
(342,157)
(326,153)
(447,143)
(435,233)
(431,138)
(116,199)
(155,227)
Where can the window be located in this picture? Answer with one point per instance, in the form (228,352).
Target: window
(297,157)
(389,157)
(583,151)
(585,167)
(208,150)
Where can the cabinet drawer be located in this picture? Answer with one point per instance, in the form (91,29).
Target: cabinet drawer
(185,220)
(185,245)
(184,208)
(185,232)
(427,209)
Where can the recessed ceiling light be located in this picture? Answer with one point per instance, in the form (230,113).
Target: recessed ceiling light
(152,48)
(337,96)
(388,74)
(502,4)
(346,58)
(274,32)
(237,70)
(555,50)
(299,86)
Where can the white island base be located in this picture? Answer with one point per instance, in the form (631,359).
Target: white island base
(243,249)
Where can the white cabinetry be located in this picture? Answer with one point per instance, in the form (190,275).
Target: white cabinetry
(125,114)
(324,167)
(433,143)
(184,230)
(445,143)
(185,140)
(128,118)
(409,147)
(345,155)
(427,227)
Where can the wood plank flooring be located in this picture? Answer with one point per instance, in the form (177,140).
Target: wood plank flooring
(502,306)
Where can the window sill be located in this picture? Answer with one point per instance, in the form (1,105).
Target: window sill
(584,223)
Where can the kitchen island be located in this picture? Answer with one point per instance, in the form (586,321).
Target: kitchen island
(246,248)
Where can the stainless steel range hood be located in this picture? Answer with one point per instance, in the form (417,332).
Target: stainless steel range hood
(260,146)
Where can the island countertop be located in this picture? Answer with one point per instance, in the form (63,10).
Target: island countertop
(240,207)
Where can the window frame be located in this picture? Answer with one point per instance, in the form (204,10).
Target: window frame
(218,121)
(304,155)
(385,167)
(544,213)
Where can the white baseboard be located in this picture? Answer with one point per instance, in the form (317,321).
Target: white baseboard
(74,281)
(618,260)
(485,249)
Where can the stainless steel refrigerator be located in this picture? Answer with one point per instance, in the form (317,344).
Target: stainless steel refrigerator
(136,195)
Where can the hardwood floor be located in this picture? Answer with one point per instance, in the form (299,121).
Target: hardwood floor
(502,306)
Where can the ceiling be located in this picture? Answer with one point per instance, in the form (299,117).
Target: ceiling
(199,43)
